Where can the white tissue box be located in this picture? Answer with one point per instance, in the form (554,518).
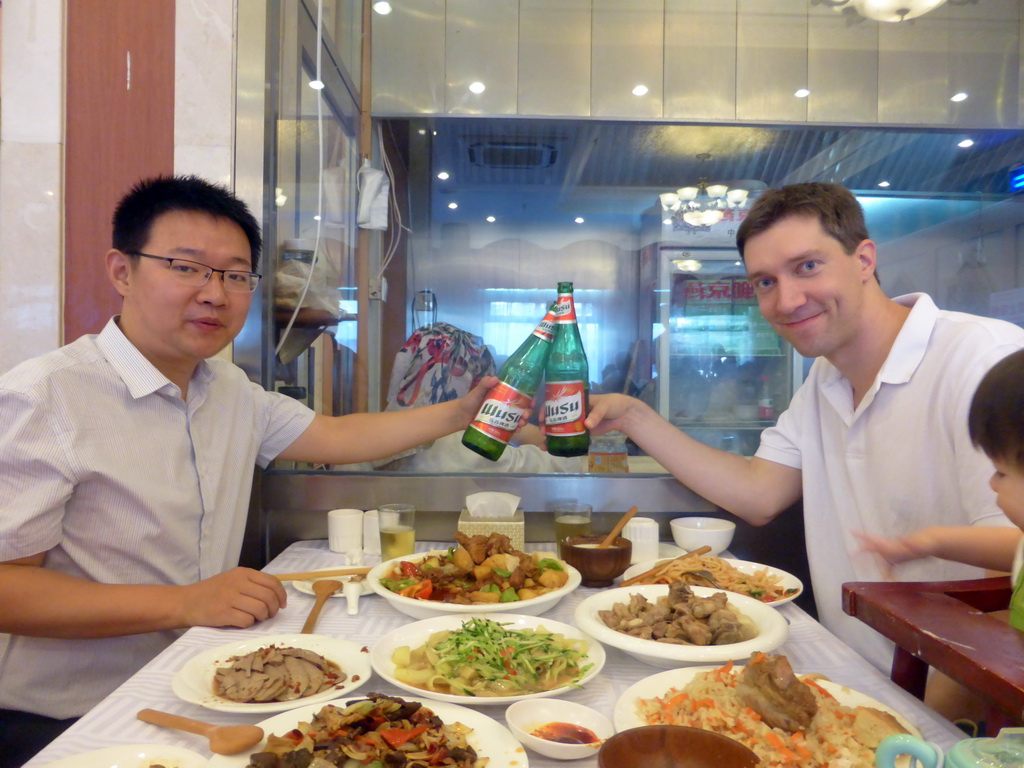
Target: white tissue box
(514,527)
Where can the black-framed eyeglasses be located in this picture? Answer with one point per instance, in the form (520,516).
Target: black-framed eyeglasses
(194,273)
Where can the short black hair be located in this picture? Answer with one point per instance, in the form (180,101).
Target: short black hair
(151,198)
(996,419)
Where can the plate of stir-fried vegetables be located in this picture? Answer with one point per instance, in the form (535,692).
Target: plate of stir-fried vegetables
(483,660)
(381,731)
(481,574)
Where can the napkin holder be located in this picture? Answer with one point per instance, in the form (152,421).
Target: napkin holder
(514,527)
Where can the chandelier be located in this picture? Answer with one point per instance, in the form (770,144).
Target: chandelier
(890,10)
(704,204)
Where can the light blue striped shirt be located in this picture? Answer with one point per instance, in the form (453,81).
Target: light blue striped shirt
(106,469)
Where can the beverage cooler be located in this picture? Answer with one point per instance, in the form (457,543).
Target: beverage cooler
(722,373)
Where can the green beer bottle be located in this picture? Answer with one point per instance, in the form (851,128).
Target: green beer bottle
(519,378)
(567,383)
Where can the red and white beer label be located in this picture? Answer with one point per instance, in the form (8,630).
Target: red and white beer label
(565,310)
(546,329)
(501,412)
(565,408)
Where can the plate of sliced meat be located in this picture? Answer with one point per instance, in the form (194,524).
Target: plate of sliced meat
(273,673)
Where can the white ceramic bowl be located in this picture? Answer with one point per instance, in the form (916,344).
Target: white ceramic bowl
(426,609)
(418,632)
(772,629)
(524,717)
(692,533)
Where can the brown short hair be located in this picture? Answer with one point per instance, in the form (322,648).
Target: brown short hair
(832,204)
(996,419)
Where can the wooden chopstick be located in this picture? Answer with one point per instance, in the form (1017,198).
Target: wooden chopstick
(300,575)
(657,570)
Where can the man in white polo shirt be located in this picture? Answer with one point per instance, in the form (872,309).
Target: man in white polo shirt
(876,437)
(126,463)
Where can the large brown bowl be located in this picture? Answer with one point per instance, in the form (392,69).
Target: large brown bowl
(674,746)
(598,567)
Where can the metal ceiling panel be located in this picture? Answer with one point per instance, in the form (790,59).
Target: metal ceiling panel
(554,57)
(700,51)
(627,51)
(480,49)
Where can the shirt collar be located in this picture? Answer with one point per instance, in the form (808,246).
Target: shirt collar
(912,341)
(138,373)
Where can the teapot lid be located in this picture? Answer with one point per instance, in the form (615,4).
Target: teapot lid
(1004,751)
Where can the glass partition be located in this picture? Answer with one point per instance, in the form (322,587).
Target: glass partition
(495,211)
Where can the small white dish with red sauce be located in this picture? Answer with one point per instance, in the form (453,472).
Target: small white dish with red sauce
(559,729)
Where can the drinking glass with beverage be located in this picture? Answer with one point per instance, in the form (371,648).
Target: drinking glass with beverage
(572,518)
(397,523)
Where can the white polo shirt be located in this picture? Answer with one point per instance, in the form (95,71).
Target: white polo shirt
(106,469)
(900,461)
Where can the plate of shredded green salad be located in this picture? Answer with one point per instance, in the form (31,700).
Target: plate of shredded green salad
(487,659)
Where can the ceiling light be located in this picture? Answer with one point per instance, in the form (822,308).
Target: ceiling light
(579,219)
(316,85)
(443,175)
(894,10)
(961,96)
(423,131)
(704,204)
(382,7)
(966,143)
(490,219)
(883,183)
(477,87)
(802,93)
(640,90)
(453,206)
(687,265)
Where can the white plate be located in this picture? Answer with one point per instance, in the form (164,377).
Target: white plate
(489,738)
(772,628)
(426,609)
(417,633)
(625,715)
(788,580)
(306,586)
(133,756)
(194,681)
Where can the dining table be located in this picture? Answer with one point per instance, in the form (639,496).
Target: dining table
(810,647)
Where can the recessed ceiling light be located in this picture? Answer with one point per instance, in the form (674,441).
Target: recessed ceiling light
(477,87)
(961,96)
(579,219)
(316,85)
(382,7)
(883,183)
(966,143)
(316,217)
(640,90)
(490,219)
(423,131)
(453,206)
(443,175)
(802,93)
(667,222)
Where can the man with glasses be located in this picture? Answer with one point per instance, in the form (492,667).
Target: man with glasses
(126,462)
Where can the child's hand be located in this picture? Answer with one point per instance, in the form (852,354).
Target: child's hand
(891,551)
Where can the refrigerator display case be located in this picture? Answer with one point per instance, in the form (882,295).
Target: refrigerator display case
(723,374)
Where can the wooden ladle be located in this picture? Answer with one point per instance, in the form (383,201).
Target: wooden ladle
(617,529)
(323,589)
(224,739)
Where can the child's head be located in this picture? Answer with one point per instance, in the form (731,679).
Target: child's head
(996,426)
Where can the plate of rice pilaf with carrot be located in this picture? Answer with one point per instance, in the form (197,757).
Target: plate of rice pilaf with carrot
(788,720)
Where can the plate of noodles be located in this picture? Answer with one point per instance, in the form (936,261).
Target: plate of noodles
(487,659)
(762,582)
(490,740)
(845,730)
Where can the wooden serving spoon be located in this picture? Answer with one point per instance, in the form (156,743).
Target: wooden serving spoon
(224,739)
(617,529)
(323,589)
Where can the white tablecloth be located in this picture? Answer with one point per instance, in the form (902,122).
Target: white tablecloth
(810,648)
